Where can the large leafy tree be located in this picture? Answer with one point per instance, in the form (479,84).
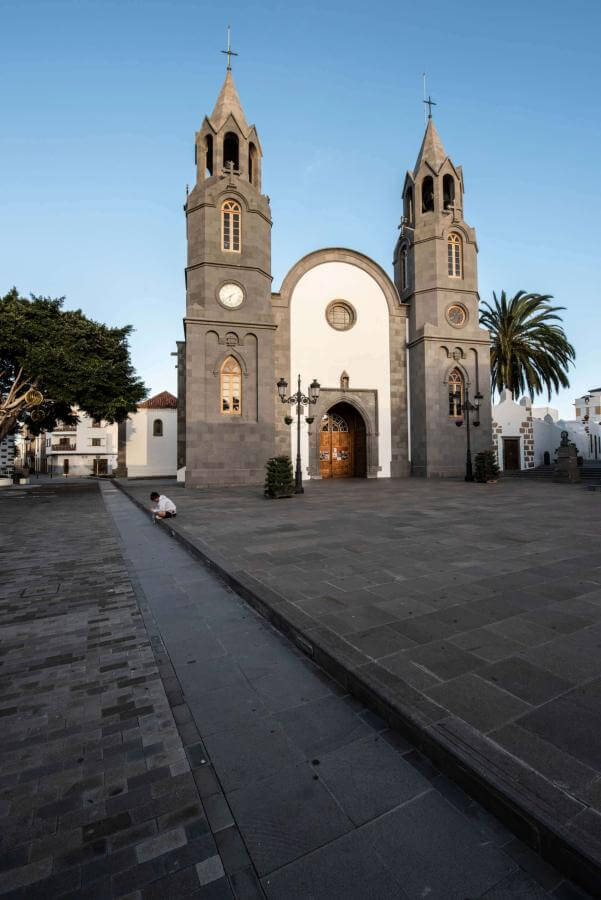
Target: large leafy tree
(529,351)
(70,359)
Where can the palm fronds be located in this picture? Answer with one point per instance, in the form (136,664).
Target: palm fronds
(529,348)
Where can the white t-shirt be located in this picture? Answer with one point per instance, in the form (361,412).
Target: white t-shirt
(164,504)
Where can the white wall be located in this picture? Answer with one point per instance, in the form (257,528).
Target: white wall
(547,432)
(148,455)
(81,462)
(319,351)
(509,415)
(539,412)
(580,437)
(547,438)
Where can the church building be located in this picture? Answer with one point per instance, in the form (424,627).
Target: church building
(397,359)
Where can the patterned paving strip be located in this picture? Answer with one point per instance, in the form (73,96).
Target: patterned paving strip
(98,797)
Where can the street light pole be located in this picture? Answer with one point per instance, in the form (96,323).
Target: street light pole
(467,408)
(300,400)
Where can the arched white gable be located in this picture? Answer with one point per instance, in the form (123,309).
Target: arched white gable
(319,351)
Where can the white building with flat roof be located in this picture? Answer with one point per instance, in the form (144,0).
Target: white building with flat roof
(525,436)
(87,448)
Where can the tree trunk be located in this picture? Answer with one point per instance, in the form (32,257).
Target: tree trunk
(7,426)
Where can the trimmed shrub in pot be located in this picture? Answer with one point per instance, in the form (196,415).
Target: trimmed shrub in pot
(279,478)
(486,468)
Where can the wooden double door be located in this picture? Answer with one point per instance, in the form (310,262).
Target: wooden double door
(511,454)
(342,446)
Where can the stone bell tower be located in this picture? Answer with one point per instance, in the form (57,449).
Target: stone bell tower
(436,275)
(226,363)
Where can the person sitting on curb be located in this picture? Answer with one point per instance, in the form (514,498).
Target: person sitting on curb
(164,509)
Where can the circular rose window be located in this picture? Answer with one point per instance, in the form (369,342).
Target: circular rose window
(340,315)
(456,315)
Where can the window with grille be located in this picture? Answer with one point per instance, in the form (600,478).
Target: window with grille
(157,428)
(231,217)
(456,394)
(231,387)
(340,315)
(455,255)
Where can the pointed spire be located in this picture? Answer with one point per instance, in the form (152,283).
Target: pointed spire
(431,150)
(228,102)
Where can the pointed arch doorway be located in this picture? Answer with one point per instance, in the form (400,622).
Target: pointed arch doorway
(342,443)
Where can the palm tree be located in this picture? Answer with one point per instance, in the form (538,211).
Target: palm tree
(529,350)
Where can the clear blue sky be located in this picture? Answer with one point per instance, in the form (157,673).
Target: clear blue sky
(101,101)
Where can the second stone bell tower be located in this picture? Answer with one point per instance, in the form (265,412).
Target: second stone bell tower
(226,363)
(435,264)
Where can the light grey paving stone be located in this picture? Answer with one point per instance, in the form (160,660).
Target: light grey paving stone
(209,870)
(528,682)
(443,659)
(162,843)
(286,817)
(369,778)
(348,868)
(569,724)
(321,725)
(436,852)
(255,752)
(477,701)
(485,644)
(224,709)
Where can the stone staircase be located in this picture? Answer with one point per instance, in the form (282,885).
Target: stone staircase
(590,471)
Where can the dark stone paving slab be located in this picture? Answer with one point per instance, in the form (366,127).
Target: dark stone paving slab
(296,792)
(468,577)
(97,795)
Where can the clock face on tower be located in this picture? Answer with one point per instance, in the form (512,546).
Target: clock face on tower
(231,295)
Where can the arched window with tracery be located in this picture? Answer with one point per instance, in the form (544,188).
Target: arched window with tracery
(456,391)
(231,226)
(157,428)
(231,387)
(333,422)
(455,255)
(404,270)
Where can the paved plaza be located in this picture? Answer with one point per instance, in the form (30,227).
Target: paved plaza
(161,739)
(469,616)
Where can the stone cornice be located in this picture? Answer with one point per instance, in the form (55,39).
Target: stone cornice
(224,265)
(221,323)
(446,339)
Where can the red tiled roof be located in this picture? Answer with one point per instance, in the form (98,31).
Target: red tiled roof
(164,400)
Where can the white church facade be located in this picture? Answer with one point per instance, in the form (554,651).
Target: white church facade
(398,357)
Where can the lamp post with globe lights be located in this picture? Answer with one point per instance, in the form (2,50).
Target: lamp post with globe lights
(301,400)
(466,409)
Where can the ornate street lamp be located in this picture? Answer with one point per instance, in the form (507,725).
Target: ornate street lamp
(301,401)
(467,408)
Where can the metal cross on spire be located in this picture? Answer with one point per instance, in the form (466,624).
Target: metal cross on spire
(229,52)
(429,103)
